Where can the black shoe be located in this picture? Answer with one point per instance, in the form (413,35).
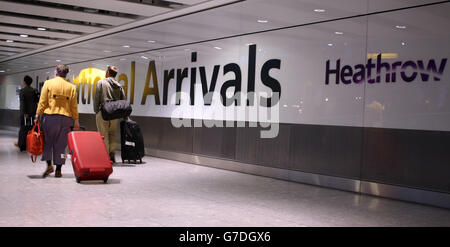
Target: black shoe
(48,171)
(112,157)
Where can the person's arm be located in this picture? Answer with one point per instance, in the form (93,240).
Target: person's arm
(36,100)
(74,109)
(97,96)
(22,102)
(122,94)
(43,102)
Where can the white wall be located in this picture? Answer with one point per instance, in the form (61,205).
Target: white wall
(303,51)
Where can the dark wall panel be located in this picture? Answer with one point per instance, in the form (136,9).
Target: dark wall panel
(327,150)
(10,117)
(88,121)
(273,152)
(216,142)
(175,139)
(152,129)
(412,158)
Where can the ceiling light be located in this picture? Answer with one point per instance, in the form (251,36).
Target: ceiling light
(330,44)
(403,43)
(24,35)
(106,51)
(122,59)
(263,21)
(2,71)
(218,48)
(339,33)
(57,60)
(249,44)
(400,27)
(144,57)
(151,41)
(41,29)
(9,41)
(126,46)
(319,10)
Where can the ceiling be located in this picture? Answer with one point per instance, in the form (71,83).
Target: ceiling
(197,24)
(27,25)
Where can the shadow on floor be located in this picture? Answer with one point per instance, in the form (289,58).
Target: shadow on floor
(131,163)
(71,176)
(100,182)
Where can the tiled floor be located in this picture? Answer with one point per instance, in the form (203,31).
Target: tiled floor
(169,193)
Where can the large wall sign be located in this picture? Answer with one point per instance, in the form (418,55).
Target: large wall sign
(360,71)
(348,74)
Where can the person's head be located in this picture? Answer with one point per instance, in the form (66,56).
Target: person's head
(111,71)
(61,70)
(27,80)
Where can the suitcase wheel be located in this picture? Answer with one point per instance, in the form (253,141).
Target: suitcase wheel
(105,180)
(140,161)
(78,179)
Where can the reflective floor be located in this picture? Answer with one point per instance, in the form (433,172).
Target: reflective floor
(169,193)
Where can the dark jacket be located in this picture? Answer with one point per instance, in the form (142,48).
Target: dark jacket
(28,101)
(107,89)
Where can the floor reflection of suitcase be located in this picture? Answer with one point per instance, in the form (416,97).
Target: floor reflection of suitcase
(90,160)
(131,141)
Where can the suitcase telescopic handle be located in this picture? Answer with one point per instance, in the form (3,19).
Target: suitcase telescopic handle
(81,128)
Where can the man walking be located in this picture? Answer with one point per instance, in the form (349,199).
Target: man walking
(106,90)
(28,104)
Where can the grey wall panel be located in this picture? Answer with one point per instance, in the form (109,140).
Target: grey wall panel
(152,129)
(88,121)
(216,142)
(327,150)
(10,117)
(273,152)
(175,139)
(413,158)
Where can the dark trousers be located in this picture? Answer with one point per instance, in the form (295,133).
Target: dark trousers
(23,130)
(56,128)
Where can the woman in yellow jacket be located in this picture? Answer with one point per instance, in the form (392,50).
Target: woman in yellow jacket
(58,109)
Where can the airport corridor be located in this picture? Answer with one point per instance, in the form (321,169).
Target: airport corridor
(169,193)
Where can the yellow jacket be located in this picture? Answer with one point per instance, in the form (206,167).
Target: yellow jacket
(58,96)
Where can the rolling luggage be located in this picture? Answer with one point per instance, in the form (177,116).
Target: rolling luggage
(23,132)
(90,160)
(131,141)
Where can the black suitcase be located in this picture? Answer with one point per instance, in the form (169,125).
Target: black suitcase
(23,132)
(131,141)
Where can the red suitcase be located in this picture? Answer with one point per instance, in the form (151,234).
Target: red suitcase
(90,160)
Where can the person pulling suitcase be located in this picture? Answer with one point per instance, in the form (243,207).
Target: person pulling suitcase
(57,112)
(28,104)
(108,90)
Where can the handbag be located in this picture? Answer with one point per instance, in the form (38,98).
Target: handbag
(115,109)
(35,142)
